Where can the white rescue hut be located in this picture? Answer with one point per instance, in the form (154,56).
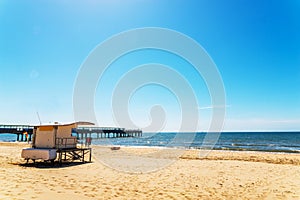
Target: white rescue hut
(52,139)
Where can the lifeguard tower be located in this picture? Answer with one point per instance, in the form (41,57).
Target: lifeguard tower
(51,141)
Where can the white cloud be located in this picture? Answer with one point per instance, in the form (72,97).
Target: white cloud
(211,107)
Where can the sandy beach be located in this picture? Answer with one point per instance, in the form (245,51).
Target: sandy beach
(219,175)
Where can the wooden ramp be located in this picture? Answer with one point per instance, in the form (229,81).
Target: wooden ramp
(70,155)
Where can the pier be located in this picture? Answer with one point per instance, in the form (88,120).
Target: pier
(81,132)
(106,132)
(19,130)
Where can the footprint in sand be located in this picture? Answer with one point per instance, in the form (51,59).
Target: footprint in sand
(89,195)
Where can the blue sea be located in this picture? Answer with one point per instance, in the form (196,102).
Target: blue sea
(240,141)
(8,137)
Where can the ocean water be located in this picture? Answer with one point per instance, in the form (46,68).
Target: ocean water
(240,141)
(8,137)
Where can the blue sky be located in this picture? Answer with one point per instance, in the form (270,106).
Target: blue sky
(255,45)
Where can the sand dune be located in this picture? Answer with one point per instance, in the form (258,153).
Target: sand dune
(220,175)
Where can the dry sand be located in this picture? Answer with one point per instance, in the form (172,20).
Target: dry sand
(220,175)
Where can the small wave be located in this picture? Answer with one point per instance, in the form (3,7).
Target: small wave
(255,144)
